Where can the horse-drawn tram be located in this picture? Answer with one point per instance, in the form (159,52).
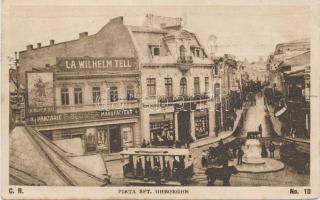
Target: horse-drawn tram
(158,166)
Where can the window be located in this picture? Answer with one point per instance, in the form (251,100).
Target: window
(206,85)
(77,95)
(196,85)
(168,86)
(64,96)
(156,51)
(130,93)
(197,53)
(217,93)
(183,86)
(151,86)
(96,95)
(182,52)
(113,94)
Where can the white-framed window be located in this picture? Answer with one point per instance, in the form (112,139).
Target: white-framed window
(151,86)
(96,95)
(64,96)
(77,95)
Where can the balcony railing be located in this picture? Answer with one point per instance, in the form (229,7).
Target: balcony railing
(185,60)
(183,98)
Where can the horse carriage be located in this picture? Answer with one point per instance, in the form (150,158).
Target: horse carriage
(298,159)
(218,155)
(158,166)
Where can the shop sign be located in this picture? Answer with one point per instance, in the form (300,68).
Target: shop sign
(185,106)
(40,92)
(76,64)
(82,116)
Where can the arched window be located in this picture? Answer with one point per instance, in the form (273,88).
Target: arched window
(182,52)
(183,86)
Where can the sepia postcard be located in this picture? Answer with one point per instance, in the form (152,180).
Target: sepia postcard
(160,99)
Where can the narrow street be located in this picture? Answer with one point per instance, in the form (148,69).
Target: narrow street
(255,116)
(287,177)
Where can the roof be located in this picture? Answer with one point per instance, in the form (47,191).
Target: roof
(296,62)
(155,151)
(40,160)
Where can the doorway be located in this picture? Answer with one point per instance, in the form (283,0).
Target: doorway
(184,126)
(115,139)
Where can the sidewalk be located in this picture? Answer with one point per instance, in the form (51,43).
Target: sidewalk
(222,135)
(276,124)
(108,157)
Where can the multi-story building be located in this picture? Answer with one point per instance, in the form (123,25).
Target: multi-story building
(121,85)
(289,73)
(229,90)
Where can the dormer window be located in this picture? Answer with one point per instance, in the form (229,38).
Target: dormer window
(155,50)
(196,51)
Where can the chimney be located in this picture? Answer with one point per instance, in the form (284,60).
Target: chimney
(30,47)
(39,45)
(51,42)
(83,35)
(118,20)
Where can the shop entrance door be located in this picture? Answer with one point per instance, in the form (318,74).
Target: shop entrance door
(184,126)
(115,139)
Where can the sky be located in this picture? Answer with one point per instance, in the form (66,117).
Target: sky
(245,31)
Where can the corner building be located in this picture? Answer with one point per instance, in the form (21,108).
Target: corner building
(125,84)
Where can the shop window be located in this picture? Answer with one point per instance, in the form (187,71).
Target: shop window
(77,95)
(201,124)
(96,95)
(196,85)
(113,94)
(168,86)
(130,93)
(162,130)
(183,86)
(206,85)
(151,86)
(64,96)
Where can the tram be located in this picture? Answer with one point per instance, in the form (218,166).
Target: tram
(158,166)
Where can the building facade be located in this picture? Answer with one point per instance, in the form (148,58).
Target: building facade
(120,86)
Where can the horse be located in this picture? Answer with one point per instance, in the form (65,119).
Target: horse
(223,174)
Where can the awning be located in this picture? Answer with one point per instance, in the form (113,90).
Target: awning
(281,111)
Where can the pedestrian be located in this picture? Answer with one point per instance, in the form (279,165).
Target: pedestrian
(240,155)
(144,144)
(271,149)
(204,161)
(260,128)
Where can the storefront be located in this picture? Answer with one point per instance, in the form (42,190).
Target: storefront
(201,122)
(109,131)
(162,131)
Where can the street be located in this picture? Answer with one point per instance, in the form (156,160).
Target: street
(255,116)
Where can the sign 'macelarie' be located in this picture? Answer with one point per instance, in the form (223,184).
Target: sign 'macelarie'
(98,64)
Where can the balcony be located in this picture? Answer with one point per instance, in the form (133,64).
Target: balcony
(185,60)
(198,97)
